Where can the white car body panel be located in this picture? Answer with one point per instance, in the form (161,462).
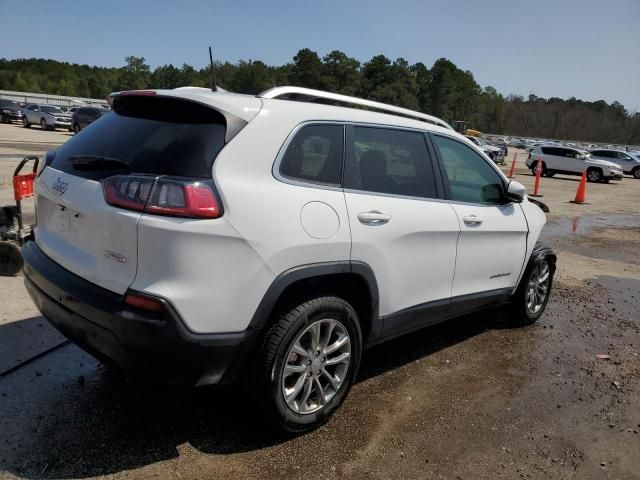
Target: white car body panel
(489,254)
(205,269)
(81,232)
(413,255)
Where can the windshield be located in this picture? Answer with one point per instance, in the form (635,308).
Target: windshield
(50,109)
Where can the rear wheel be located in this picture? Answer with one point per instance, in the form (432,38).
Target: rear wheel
(10,258)
(25,122)
(594,175)
(530,300)
(308,364)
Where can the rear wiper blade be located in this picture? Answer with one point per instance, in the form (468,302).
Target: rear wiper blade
(96,162)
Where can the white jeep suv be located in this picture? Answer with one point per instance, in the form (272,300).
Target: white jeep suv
(572,161)
(196,237)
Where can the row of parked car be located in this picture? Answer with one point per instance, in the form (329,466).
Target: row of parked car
(601,165)
(50,117)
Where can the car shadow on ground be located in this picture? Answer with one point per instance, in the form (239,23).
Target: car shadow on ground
(67,416)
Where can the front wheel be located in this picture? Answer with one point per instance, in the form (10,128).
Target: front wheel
(531,297)
(43,124)
(25,122)
(594,175)
(308,364)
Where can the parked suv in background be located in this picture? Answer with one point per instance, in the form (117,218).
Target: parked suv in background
(629,163)
(47,116)
(571,161)
(195,237)
(83,116)
(10,111)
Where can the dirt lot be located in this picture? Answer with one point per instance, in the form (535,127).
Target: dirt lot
(467,399)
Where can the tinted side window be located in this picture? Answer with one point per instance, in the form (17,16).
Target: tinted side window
(551,151)
(391,161)
(315,155)
(471,178)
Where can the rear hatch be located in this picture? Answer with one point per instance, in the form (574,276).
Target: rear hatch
(144,138)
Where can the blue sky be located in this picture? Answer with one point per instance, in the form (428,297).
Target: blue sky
(589,49)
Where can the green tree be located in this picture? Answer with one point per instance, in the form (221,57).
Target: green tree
(307,69)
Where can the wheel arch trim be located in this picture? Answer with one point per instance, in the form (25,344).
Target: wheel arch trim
(304,272)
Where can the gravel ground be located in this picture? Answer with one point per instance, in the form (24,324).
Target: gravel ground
(471,398)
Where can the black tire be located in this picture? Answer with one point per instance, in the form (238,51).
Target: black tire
(594,175)
(534,166)
(25,122)
(636,173)
(268,373)
(76,128)
(4,118)
(43,124)
(518,310)
(10,259)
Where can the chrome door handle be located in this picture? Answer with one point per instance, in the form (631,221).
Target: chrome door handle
(373,218)
(472,220)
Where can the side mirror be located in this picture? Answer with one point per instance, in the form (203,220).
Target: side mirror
(516,191)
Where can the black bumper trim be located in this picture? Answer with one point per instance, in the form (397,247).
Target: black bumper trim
(156,347)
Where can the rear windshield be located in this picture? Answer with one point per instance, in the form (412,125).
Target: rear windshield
(152,135)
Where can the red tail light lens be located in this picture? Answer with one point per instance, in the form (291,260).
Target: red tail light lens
(171,196)
(144,303)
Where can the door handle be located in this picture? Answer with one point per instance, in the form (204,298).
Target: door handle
(472,220)
(373,218)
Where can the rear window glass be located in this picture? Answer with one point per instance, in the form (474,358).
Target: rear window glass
(157,136)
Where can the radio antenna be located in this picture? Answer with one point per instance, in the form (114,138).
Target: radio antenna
(214,87)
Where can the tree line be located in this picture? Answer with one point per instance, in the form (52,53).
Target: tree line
(444,90)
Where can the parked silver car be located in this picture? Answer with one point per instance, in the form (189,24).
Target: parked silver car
(48,117)
(629,163)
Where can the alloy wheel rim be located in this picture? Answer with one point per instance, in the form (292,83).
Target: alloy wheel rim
(594,176)
(316,366)
(538,287)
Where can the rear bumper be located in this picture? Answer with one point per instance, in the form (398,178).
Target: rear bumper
(155,347)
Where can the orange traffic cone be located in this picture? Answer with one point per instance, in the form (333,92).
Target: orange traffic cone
(513,165)
(582,189)
(536,186)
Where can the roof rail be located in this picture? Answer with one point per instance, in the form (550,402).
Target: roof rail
(278,92)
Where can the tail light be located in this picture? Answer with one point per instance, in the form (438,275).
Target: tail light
(170,196)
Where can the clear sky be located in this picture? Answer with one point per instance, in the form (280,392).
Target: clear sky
(589,49)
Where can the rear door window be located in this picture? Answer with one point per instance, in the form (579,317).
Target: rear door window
(391,161)
(152,135)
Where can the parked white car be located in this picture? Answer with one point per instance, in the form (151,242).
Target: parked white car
(572,161)
(494,153)
(193,236)
(48,117)
(629,163)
